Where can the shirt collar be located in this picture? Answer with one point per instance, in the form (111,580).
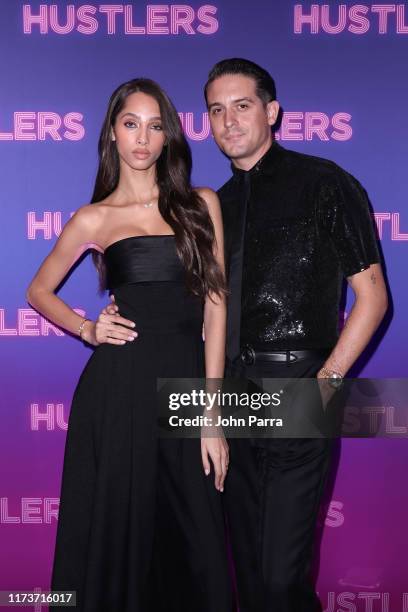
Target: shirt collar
(265,165)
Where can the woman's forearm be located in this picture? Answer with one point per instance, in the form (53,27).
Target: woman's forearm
(55,309)
(215,333)
(214,330)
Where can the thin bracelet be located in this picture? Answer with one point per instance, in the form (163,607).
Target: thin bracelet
(81,327)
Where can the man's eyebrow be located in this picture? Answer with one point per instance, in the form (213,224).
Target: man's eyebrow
(138,117)
(237,101)
(246,99)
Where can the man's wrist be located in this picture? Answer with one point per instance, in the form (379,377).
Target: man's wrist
(334,378)
(326,372)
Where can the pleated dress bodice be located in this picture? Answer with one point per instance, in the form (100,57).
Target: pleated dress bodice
(142,259)
(147,278)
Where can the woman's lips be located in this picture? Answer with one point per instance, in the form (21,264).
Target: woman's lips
(141,154)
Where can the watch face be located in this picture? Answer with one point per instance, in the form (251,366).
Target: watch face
(335,382)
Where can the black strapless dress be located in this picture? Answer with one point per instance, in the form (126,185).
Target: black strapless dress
(140,526)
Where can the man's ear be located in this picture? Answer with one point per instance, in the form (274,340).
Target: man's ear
(272,111)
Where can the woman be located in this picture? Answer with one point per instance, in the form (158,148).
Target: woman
(140,525)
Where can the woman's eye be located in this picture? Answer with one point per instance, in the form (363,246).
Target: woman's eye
(157,127)
(127,123)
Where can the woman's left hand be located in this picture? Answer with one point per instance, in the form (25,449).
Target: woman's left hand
(217,449)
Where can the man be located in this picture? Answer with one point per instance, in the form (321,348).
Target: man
(294,226)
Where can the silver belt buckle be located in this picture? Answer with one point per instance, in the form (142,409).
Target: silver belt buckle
(248,355)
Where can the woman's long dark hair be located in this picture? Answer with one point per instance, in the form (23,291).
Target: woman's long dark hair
(180,206)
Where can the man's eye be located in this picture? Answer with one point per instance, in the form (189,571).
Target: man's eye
(215,111)
(242,105)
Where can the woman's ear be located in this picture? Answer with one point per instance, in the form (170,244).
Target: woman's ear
(113,137)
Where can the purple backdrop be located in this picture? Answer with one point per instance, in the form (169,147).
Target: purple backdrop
(341,77)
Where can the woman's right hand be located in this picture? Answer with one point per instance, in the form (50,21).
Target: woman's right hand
(110,328)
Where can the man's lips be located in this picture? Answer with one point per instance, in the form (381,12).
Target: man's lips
(232,137)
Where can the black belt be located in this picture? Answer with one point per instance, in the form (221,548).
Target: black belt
(249,355)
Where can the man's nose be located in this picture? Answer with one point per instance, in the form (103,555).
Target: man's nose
(229,118)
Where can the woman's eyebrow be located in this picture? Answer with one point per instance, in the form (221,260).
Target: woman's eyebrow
(156,117)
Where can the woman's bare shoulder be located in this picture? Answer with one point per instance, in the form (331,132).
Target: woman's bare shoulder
(205,191)
(95,214)
(88,221)
(208,195)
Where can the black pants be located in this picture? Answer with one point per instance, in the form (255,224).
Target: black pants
(272,498)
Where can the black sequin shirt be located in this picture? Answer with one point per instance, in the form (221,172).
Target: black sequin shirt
(308,225)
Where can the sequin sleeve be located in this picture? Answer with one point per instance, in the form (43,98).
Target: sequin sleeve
(344,212)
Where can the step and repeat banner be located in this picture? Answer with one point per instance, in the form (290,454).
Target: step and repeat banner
(341,75)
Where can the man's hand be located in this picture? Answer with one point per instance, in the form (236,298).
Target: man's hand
(109,327)
(111,308)
(216,449)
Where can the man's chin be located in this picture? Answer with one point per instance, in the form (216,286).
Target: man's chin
(235,151)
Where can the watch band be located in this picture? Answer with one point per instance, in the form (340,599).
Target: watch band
(330,373)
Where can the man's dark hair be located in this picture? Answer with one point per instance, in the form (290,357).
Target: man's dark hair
(265,85)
